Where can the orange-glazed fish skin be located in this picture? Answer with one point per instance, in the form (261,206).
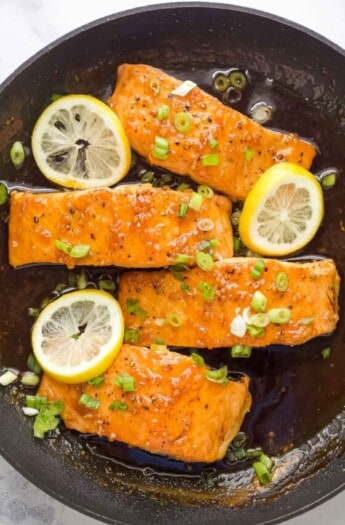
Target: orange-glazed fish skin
(174,411)
(130,226)
(312,296)
(245,148)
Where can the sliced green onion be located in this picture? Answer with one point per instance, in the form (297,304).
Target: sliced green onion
(127,383)
(282,282)
(183,186)
(30,411)
(166,178)
(183,122)
(326,352)
(118,405)
(214,242)
(131,335)
(162,112)
(262,472)
(107,284)
(205,224)
(147,176)
(210,160)
(33,364)
(238,79)
(306,320)
(240,440)
(46,419)
(198,359)
(36,401)
(218,376)
(236,455)
(132,307)
(182,258)
(204,261)
(175,320)
(241,351)
(204,245)
(235,217)
(30,379)
(77,251)
(89,402)
(255,331)
(249,154)
(17,154)
(207,291)
(96,381)
(160,142)
(205,191)
(213,143)
(82,281)
(257,269)
(160,349)
(3,194)
(267,461)
(160,153)
(7,378)
(63,246)
(55,96)
(260,320)
(259,301)
(159,341)
(185,287)
(177,270)
(237,244)
(221,82)
(195,201)
(182,210)
(279,315)
(155,85)
(184,88)
(329,180)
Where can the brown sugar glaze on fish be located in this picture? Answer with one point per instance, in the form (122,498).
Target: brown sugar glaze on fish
(295,391)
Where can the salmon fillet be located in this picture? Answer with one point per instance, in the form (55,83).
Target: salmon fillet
(131,226)
(174,411)
(312,296)
(245,149)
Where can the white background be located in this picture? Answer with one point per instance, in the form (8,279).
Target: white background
(25,27)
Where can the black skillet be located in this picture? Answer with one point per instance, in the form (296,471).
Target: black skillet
(298,396)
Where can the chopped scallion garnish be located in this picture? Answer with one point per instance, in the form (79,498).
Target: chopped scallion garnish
(259,301)
(30,379)
(107,284)
(175,320)
(77,251)
(33,364)
(326,352)
(118,405)
(162,112)
(249,154)
(160,349)
(213,143)
(148,176)
(3,194)
(183,186)
(282,282)
(241,351)
(218,376)
(279,315)
(195,201)
(182,258)
(17,154)
(260,320)
(155,85)
(205,224)
(254,331)
(160,142)
(185,287)
(257,269)
(210,160)
(82,281)
(204,261)
(96,381)
(36,401)
(207,291)
(131,335)
(47,419)
(262,472)
(183,122)
(205,191)
(8,378)
(198,359)
(132,307)
(329,180)
(182,210)
(89,402)
(126,382)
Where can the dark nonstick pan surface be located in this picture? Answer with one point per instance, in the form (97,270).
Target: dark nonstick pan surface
(297,414)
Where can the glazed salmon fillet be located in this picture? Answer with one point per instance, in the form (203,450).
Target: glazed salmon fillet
(245,149)
(174,410)
(131,226)
(212,309)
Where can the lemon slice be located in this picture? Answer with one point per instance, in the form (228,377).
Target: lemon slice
(79,142)
(283,210)
(77,336)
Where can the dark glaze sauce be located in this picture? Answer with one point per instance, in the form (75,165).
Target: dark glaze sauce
(295,391)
